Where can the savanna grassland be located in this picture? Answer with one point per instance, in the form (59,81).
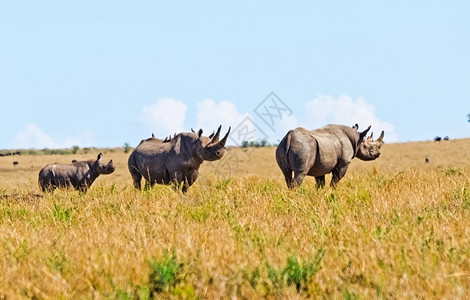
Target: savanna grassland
(395,228)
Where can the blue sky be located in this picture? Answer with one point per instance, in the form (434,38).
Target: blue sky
(105,73)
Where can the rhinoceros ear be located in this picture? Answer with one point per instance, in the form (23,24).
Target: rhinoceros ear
(212,135)
(364,133)
(356,127)
(199,133)
(100,156)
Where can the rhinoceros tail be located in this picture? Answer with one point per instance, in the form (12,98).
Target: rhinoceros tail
(135,173)
(40,183)
(46,179)
(282,152)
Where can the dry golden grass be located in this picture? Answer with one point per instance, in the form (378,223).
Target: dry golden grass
(394,228)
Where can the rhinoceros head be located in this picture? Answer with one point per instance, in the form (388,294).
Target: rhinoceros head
(100,167)
(368,149)
(212,147)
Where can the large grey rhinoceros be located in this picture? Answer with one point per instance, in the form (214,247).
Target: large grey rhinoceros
(176,160)
(329,149)
(79,175)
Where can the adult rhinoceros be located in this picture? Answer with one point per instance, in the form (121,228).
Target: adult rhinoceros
(329,149)
(176,160)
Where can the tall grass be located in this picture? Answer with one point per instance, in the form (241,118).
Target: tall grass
(391,229)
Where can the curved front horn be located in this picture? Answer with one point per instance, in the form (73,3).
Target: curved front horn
(224,140)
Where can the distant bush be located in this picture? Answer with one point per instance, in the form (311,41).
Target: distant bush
(75,149)
(57,151)
(255,144)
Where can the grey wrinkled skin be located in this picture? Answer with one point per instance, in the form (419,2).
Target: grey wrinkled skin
(176,159)
(329,149)
(78,175)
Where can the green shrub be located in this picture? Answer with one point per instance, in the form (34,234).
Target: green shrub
(164,274)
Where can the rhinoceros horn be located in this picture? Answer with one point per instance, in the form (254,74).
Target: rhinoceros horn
(224,140)
(215,138)
(381,137)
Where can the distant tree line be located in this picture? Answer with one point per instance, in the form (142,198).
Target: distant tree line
(65,151)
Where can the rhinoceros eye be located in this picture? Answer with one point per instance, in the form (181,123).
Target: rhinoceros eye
(218,152)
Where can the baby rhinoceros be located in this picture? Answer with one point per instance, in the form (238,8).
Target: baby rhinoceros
(79,175)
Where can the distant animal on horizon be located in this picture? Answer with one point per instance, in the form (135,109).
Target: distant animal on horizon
(437,139)
(176,160)
(79,175)
(446,138)
(329,149)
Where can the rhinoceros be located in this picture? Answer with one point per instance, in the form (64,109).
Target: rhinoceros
(79,175)
(329,149)
(176,160)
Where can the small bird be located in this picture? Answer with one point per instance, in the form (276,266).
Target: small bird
(426,159)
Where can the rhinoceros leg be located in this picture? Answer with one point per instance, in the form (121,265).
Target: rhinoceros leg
(338,173)
(298,178)
(185,186)
(320,180)
(47,186)
(82,188)
(178,177)
(48,182)
(190,178)
(136,177)
(287,176)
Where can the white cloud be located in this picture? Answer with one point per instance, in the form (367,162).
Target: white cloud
(167,116)
(164,117)
(211,115)
(33,137)
(324,110)
(317,113)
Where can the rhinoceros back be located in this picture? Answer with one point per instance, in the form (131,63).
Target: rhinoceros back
(149,160)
